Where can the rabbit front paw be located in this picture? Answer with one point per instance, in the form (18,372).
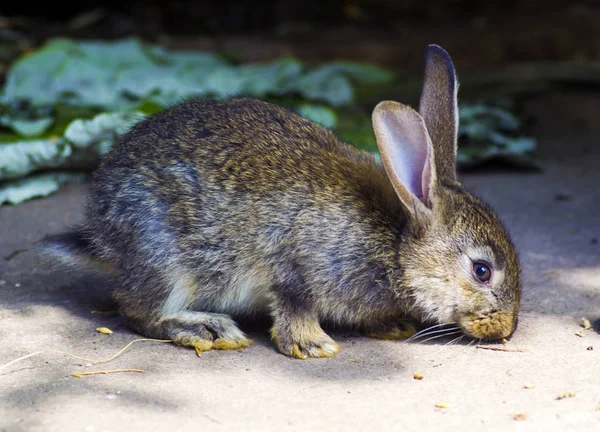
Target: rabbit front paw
(303,338)
(391,331)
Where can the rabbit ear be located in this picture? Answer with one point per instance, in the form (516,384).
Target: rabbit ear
(439,109)
(406,154)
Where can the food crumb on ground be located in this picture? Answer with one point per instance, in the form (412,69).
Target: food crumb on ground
(585,323)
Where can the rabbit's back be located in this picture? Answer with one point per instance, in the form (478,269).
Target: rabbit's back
(242,193)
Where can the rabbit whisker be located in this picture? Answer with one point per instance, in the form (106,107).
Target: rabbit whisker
(442,332)
(455,340)
(428,328)
(478,341)
(442,335)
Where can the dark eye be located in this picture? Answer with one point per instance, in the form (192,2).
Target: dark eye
(482,272)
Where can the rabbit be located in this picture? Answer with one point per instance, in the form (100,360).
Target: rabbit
(218,209)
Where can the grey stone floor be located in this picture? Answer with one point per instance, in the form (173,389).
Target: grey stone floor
(368,386)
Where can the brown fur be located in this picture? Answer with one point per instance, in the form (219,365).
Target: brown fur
(219,209)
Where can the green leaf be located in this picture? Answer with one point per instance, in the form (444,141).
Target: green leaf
(39,185)
(105,74)
(66,104)
(320,114)
(22,157)
(92,139)
(325,85)
(489,115)
(361,73)
(30,128)
(489,132)
(262,79)
(358,131)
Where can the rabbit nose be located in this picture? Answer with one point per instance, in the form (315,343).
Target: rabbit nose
(490,325)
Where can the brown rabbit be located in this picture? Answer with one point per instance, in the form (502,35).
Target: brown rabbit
(215,209)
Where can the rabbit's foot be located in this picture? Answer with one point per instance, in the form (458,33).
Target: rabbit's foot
(228,344)
(303,338)
(204,331)
(391,331)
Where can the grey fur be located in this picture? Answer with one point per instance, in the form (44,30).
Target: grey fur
(214,209)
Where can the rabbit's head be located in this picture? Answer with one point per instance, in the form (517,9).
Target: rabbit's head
(458,259)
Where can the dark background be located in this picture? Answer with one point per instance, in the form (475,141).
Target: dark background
(543,53)
(477,33)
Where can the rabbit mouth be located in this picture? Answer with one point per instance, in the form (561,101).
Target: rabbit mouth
(489,325)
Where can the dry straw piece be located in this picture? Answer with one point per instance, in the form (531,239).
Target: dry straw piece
(565,395)
(111,358)
(104,372)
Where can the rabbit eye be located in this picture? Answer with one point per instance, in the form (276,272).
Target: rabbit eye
(482,272)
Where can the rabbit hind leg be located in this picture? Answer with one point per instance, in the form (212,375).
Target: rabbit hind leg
(162,311)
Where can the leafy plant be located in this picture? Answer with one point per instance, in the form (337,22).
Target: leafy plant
(64,105)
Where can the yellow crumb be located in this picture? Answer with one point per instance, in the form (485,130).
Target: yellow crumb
(520,416)
(585,323)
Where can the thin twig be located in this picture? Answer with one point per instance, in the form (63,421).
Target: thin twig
(104,372)
(500,348)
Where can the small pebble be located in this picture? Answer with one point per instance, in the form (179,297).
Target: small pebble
(590,348)
(520,416)
(110,396)
(17,285)
(528,386)
(563,197)
(585,323)
(88,364)
(418,376)
(565,395)
(2,282)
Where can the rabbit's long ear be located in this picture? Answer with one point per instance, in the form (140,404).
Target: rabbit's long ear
(406,153)
(439,109)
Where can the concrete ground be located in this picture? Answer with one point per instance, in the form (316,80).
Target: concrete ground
(554,217)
